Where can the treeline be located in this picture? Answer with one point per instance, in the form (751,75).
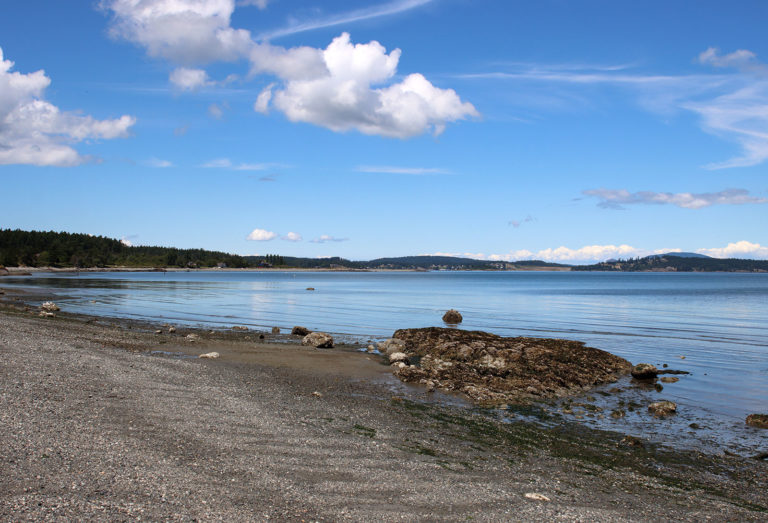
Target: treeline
(62,249)
(678,264)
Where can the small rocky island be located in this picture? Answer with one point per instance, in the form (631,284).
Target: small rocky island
(491,369)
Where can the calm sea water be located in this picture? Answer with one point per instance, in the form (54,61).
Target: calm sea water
(717,321)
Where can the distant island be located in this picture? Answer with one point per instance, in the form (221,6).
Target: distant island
(40,249)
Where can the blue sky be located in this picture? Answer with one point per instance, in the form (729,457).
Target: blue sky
(559,130)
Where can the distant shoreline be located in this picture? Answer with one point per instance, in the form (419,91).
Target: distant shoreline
(29,270)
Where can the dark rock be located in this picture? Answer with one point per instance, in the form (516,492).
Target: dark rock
(631,441)
(669,380)
(310,288)
(491,369)
(758,420)
(300,331)
(661,409)
(319,340)
(644,371)
(453,317)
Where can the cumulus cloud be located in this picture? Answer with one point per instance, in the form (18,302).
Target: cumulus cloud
(615,198)
(188,79)
(261,235)
(326,238)
(586,254)
(385,169)
(343,87)
(36,132)
(741,249)
(292,237)
(738,58)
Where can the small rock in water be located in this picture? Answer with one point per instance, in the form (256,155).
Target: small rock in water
(452,316)
(631,441)
(50,306)
(300,331)
(371,348)
(669,379)
(644,371)
(618,413)
(758,420)
(662,408)
(319,340)
(536,496)
(275,330)
(310,288)
(210,355)
(239,328)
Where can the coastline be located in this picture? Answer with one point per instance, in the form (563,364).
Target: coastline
(100,426)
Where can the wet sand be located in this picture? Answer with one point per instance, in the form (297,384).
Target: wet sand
(97,424)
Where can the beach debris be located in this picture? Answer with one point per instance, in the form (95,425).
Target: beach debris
(192,337)
(491,369)
(300,331)
(536,496)
(171,329)
(310,288)
(239,328)
(644,371)
(275,330)
(390,346)
(662,408)
(668,379)
(453,317)
(758,420)
(210,355)
(319,340)
(631,441)
(397,357)
(317,394)
(50,307)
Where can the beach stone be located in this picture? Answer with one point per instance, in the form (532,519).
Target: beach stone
(192,337)
(371,349)
(318,340)
(46,314)
(275,330)
(158,331)
(452,316)
(300,331)
(171,329)
(644,371)
(391,345)
(210,355)
(397,357)
(758,420)
(631,441)
(310,288)
(239,328)
(669,379)
(662,408)
(492,369)
(50,307)
(536,496)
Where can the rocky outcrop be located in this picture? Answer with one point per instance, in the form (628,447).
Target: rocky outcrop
(453,317)
(758,420)
(661,409)
(300,331)
(318,340)
(491,369)
(644,371)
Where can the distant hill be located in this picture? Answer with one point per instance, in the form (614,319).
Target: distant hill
(678,262)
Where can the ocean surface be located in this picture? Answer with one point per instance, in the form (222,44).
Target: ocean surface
(714,325)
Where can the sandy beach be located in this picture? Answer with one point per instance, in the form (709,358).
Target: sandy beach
(112,421)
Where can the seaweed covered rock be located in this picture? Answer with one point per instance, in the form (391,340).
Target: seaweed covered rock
(318,340)
(663,408)
(758,420)
(452,316)
(298,330)
(492,369)
(644,371)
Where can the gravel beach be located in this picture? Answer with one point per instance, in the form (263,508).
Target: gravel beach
(105,422)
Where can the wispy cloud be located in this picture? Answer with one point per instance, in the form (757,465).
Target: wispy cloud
(157,162)
(226,163)
(616,198)
(415,171)
(518,223)
(357,15)
(325,239)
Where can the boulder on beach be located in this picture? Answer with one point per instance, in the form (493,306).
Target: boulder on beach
(192,337)
(452,316)
(275,330)
(644,371)
(663,408)
(49,306)
(491,369)
(397,357)
(171,329)
(319,340)
(391,345)
(210,355)
(300,331)
(758,420)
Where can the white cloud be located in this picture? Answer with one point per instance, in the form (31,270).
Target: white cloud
(261,4)
(741,249)
(261,105)
(219,163)
(34,131)
(738,58)
(188,79)
(615,198)
(384,169)
(292,237)
(585,254)
(326,238)
(125,241)
(261,235)
(157,162)
(215,111)
(226,163)
(366,13)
